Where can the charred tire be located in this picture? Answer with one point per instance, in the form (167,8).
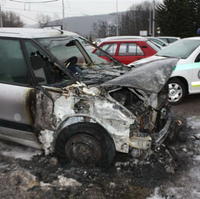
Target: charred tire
(177,91)
(85,144)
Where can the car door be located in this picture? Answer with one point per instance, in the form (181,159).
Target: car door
(189,69)
(129,52)
(194,75)
(16,121)
(15,85)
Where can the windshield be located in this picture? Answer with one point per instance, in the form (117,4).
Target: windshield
(180,49)
(153,45)
(158,41)
(65,48)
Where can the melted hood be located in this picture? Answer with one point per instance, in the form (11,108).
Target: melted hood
(150,76)
(100,74)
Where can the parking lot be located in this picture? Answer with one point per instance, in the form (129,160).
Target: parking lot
(190,106)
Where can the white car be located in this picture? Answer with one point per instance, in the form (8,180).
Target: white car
(185,78)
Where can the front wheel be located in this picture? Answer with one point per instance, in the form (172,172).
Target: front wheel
(177,91)
(85,144)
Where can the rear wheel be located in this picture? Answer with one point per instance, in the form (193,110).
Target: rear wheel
(85,144)
(177,91)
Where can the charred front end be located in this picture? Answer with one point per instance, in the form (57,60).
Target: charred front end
(144,92)
(128,114)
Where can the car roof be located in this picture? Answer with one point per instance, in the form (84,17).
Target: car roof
(169,37)
(196,38)
(34,32)
(124,38)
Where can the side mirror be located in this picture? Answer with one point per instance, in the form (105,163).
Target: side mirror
(37,62)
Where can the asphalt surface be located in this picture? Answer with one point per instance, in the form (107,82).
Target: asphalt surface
(189,107)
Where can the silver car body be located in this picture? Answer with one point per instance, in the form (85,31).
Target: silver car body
(35,116)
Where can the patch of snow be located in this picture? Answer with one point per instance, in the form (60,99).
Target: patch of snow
(18,152)
(156,194)
(62,182)
(197,158)
(67,182)
(46,138)
(193,122)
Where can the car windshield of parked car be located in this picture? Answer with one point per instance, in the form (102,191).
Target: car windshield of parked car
(153,45)
(180,49)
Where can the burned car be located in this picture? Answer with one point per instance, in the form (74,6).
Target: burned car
(84,115)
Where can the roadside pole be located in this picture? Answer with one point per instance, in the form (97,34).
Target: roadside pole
(1,20)
(117,12)
(153,17)
(150,21)
(63,14)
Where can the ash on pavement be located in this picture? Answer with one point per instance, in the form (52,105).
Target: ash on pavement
(172,172)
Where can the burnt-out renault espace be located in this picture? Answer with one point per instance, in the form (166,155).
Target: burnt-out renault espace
(57,96)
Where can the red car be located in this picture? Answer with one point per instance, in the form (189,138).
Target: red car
(127,49)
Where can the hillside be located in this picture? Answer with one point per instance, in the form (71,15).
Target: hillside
(84,24)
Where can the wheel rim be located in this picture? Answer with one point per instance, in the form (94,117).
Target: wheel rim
(83,149)
(175,92)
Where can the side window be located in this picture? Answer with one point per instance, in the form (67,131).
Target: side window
(130,49)
(171,40)
(135,49)
(37,63)
(109,48)
(13,68)
(197,58)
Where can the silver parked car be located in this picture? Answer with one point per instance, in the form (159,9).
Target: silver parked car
(56,95)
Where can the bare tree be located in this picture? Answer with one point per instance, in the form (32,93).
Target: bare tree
(135,19)
(11,19)
(103,29)
(43,20)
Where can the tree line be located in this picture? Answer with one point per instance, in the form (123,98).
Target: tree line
(173,18)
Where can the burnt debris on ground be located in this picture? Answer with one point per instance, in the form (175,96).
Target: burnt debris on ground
(44,177)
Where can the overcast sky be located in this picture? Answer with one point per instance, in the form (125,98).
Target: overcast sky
(30,12)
